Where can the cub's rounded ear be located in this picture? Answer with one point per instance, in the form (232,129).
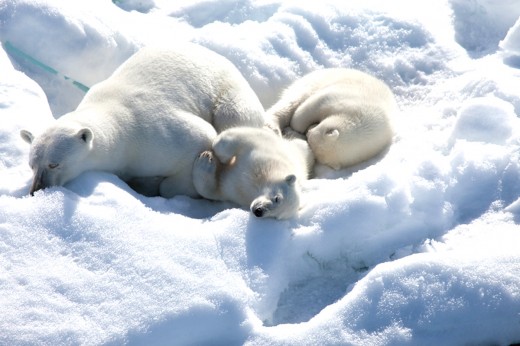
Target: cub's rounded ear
(332,133)
(26,136)
(290,179)
(85,135)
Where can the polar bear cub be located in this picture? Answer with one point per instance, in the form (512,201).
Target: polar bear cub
(256,169)
(156,113)
(345,115)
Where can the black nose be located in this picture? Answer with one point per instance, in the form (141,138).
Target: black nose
(259,212)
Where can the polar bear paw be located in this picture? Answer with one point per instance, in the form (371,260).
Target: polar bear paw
(205,175)
(206,164)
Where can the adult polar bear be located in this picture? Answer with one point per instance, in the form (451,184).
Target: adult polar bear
(345,114)
(156,113)
(256,169)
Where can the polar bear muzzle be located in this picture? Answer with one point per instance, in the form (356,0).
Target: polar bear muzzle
(42,179)
(38,181)
(258,211)
(260,207)
(279,202)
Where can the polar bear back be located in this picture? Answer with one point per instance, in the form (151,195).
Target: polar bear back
(189,78)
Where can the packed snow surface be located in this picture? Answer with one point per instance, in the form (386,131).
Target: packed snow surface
(418,247)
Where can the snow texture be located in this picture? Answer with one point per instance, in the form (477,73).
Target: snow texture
(418,246)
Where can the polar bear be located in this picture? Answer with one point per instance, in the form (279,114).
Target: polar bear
(156,113)
(256,169)
(345,115)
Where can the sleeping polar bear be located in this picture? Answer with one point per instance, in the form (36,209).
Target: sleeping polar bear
(156,113)
(345,115)
(256,169)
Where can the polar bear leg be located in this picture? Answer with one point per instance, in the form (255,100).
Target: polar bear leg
(316,108)
(280,114)
(282,111)
(205,177)
(179,184)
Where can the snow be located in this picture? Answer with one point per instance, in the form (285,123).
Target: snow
(418,246)
(480,25)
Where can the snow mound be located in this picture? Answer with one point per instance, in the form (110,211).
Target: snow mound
(511,45)
(480,25)
(487,119)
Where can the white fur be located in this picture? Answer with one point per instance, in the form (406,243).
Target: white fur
(152,117)
(256,169)
(345,115)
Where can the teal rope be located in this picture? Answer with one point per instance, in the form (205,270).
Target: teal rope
(17,52)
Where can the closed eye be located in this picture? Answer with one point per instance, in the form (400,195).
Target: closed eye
(53,165)
(277,199)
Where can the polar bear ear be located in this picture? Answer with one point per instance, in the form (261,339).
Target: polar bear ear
(27,136)
(332,133)
(290,179)
(85,135)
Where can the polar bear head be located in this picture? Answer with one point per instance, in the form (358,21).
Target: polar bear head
(280,200)
(57,155)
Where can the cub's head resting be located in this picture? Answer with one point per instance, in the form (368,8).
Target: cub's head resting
(280,200)
(57,155)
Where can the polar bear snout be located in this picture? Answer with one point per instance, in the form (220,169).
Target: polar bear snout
(41,180)
(37,183)
(260,208)
(258,212)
